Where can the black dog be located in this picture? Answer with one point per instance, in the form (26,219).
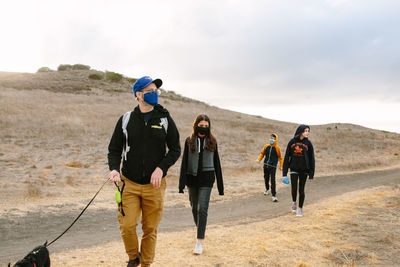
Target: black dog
(38,257)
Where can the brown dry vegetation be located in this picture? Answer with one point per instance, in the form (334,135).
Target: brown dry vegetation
(54,132)
(55,128)
(356,229)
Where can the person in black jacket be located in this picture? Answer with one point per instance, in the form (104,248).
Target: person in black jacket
(141,139)
(200,165)
(299,158)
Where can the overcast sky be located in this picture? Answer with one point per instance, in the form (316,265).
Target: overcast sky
(301,61)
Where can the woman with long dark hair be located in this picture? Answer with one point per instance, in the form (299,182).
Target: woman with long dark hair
(299,158)
(200,166)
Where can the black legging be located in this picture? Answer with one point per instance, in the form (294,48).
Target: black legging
(302,178)
(270,172)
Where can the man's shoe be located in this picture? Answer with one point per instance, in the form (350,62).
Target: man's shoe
(274,199)
(135,262)
(294,207)
(266,192)
(299,212)
(198,249)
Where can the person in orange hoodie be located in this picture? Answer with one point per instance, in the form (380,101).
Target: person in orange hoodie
(271,154)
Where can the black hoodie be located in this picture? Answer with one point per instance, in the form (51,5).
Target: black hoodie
(299,155)
(147,142)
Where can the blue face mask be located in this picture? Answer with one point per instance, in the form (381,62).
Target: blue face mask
(151,98)
(272,141)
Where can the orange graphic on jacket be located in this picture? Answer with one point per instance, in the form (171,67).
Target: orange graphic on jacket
(298,150)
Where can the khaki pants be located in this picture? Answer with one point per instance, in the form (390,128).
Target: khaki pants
(145,199)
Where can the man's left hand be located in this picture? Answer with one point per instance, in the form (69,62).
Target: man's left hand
(156,177)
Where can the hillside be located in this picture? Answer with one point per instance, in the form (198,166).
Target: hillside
(55,128)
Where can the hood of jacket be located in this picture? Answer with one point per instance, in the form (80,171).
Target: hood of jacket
(300,130)
(276,140)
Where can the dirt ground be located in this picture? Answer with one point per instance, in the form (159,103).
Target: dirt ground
(20,233)
(53,145)
(54,132)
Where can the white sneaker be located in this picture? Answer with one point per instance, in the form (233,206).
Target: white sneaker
(294,207)
(266,192)
(198,249)
(274,199)
(299,212)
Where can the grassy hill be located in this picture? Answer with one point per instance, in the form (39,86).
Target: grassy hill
(55,128)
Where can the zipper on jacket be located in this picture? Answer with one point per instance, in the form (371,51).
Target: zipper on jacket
(269,156)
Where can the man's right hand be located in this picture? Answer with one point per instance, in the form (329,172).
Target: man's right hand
(114,176)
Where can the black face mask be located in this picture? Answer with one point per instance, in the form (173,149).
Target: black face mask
(203,130)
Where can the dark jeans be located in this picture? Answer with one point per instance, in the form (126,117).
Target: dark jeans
(300,178)
(199,199)
(270,172)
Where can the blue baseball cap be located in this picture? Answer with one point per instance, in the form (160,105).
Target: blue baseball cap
(143,82)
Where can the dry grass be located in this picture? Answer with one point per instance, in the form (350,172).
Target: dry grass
(53,149)
(355,229)
(59,136)
(74,164)
(32,191)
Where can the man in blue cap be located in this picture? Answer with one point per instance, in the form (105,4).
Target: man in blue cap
(140,139)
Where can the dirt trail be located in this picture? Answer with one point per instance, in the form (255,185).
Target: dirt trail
(19,234)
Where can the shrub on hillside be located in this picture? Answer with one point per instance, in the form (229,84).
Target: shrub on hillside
(63,67)
(95,76)
(131,80)
(113,76)
(80,67)
(44,69)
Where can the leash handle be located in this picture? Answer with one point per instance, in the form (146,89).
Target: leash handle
(90,202)
(117,185)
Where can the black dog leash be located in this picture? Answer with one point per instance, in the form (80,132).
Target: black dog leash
(90,202)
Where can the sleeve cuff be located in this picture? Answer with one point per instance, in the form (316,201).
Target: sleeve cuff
(164,170)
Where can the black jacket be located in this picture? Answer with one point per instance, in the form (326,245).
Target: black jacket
(147,145)
(203,178)
(271,156)
(299,155)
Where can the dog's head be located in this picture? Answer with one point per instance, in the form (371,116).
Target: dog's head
(38,257)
